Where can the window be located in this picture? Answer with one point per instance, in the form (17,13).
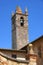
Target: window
(14,56)
(22,21)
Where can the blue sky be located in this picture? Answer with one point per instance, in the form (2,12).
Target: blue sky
(35,19)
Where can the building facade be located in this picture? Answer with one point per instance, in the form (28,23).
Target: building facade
(22,52)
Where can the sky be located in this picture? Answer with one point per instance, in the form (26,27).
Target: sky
(35,19)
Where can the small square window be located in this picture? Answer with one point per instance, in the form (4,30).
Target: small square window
(14,56)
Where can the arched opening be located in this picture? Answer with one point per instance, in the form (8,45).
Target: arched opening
(21,21)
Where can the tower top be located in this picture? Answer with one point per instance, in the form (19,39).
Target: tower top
(18,10)
(26,11)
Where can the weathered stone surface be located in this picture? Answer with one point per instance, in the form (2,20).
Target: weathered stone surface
(19,33)
(9,61)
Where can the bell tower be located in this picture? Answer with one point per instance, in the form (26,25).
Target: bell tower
(19,29)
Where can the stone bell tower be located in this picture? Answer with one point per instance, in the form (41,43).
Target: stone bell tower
(19,29)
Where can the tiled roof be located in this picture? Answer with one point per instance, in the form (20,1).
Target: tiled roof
(13,50)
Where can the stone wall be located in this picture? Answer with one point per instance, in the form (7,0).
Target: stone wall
(13,52)
(38,49)
(19,33)
(9,61)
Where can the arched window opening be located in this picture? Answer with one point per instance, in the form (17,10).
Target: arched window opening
(22,21)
